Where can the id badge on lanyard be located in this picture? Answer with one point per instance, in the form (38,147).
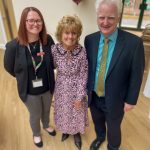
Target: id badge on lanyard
(38,82)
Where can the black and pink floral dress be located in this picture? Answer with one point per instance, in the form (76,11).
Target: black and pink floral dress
(71,80)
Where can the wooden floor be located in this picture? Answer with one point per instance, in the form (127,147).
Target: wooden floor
(15,132)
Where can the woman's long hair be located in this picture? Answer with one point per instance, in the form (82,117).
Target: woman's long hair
(22,31)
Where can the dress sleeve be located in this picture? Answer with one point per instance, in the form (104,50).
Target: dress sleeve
(82,78)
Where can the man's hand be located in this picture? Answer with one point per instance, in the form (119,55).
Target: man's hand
(128,107)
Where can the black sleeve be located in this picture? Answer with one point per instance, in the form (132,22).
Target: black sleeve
(137,70)
(9,57)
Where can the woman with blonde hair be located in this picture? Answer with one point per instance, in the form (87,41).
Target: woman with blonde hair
(70,104)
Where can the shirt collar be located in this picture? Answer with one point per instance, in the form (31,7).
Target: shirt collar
(63,51)
(111,37)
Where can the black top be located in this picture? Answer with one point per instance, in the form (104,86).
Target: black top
(41,72)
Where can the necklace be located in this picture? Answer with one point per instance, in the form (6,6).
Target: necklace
(34,44)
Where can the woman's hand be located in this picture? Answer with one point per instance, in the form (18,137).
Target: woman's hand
(77,104)
(128,107)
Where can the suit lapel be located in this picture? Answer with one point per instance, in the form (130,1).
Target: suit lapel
(117,52)
(95,49)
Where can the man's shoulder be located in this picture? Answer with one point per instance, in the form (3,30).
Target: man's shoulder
(94,34)
(128,35)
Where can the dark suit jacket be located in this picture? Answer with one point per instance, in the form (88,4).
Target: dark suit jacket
(15,63)
(125,72)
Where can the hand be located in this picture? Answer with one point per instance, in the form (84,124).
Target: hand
(128,107)
(77,104)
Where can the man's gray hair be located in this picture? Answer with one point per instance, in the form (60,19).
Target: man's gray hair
(117,3)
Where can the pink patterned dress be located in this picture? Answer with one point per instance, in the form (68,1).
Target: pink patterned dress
(70,86)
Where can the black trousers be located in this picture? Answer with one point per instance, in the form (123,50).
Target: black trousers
(102,119)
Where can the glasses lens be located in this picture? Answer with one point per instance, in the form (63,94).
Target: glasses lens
(39,22)
(32,21)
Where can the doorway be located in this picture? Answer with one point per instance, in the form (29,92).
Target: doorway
(7,22)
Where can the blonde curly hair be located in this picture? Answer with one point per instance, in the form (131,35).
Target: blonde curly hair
(69,23)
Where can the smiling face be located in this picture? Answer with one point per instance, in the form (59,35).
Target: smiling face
(33,24)
(107,18)
(68,31)
(69,39)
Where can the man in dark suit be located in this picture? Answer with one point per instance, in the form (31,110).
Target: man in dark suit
(122,74)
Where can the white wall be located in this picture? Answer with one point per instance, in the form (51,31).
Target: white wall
(3,39)
(53,10)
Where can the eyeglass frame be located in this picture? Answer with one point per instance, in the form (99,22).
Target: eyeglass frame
(37,21)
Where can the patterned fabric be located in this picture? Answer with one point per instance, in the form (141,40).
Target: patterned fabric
(101,76)
(70,86)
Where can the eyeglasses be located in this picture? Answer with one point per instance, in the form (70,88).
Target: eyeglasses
(32,21)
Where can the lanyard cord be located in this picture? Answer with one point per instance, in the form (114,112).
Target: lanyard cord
(33,60)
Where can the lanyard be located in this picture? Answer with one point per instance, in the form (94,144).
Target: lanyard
(33,60)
